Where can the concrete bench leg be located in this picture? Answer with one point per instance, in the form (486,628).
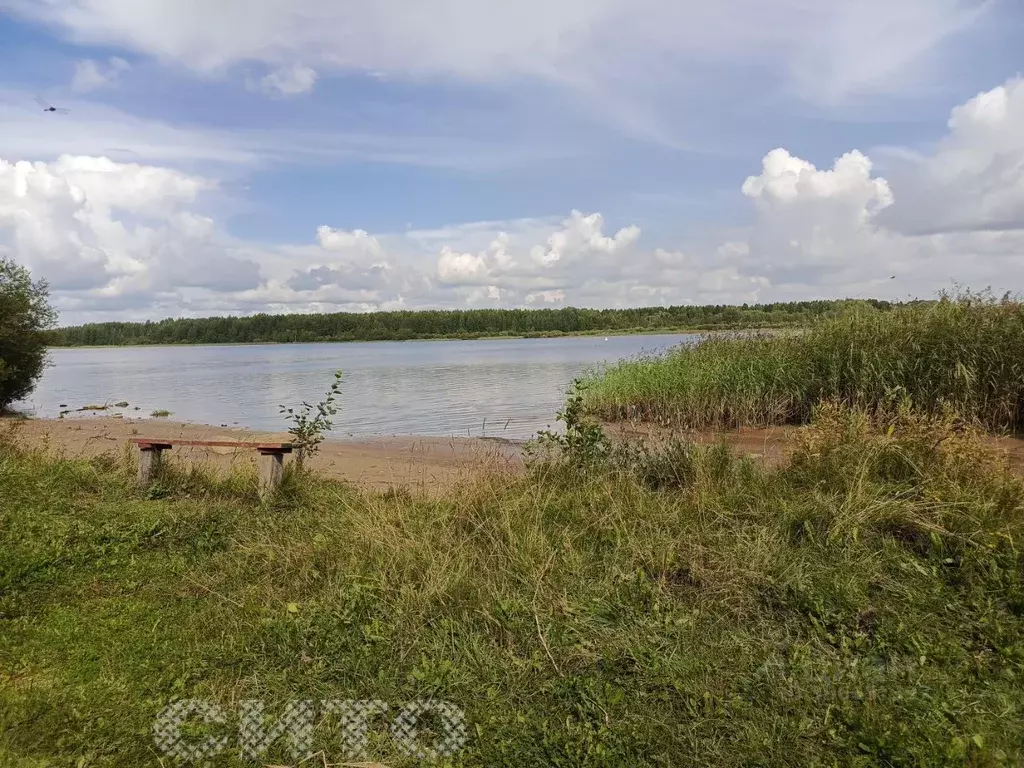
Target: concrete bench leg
(271,472)
(149,463)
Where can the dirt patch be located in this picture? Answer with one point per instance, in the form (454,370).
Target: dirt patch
(772,445)
(768,445)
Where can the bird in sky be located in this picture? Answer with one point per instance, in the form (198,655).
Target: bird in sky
(48,107)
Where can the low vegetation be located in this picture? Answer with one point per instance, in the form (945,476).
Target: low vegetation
(615,605)
(966,352)
(461,324)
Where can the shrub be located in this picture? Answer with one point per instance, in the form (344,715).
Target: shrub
(25,313)
(583,443)
(310,422)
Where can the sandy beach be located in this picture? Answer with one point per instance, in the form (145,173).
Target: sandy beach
(374,463)
(381,463)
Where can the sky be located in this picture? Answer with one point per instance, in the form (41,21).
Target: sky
(240,156)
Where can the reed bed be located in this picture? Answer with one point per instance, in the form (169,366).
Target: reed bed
(964,353)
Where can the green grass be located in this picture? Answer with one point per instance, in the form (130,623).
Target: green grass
(862,605)
(965,352)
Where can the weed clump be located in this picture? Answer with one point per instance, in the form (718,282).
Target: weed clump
(582,444)
(310,422)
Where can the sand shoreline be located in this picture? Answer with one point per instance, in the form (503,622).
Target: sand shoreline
(428,462)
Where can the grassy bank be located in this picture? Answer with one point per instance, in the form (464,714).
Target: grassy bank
(967,353)
(863,605)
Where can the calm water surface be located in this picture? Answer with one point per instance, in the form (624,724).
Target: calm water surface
(501,387)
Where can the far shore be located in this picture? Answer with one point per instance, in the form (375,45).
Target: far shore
(580,334)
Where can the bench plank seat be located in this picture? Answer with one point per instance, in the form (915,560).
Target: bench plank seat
(163,444)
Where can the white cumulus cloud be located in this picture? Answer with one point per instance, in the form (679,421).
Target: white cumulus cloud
(133,239)
(974,180)
(955,215)
(785,179)
(93,225)
(456,268)
(357,241)
(581,235)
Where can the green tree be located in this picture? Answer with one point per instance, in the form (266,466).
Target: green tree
(25,314)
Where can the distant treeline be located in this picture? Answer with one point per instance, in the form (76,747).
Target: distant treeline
(434,324)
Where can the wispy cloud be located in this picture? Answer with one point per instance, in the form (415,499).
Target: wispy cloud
(633,63)
(97,129)
(286,81)
(91,75)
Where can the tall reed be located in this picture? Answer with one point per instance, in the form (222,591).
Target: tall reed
(964,352)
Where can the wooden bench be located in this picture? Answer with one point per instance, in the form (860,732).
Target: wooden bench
(271,466)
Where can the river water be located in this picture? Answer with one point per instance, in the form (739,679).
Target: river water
(494,387)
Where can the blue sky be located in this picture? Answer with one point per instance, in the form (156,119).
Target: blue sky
(208,147)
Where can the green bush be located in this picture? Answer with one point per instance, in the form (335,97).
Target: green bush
(25,314)
(581,445)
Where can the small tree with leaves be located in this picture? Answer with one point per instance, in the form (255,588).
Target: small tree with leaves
(311,421)
(25,315)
